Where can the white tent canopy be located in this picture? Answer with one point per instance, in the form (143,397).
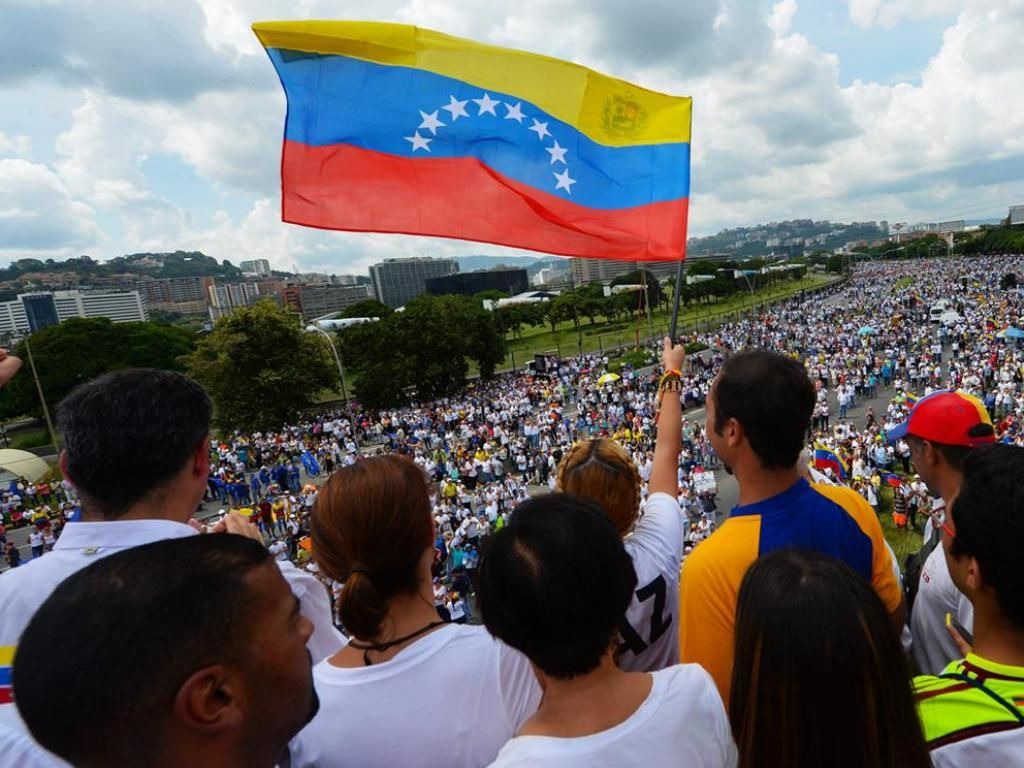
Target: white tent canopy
(15,463)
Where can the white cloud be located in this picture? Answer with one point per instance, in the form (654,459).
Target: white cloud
(775,133)
(38,215)
(15,146)
(143,50)
(888,13)
(782,16)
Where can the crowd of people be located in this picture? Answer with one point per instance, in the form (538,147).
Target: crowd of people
(536,573)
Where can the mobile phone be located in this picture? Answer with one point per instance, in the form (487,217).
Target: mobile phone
(960,628)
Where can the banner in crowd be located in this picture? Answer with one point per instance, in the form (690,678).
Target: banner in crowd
(394,128)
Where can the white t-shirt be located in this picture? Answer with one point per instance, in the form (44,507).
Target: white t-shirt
(17,748)
(656,546)
(1002,748)
(451,699)
(681,723)
(24,589)
(937,595)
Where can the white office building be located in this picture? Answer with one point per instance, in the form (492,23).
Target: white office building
(33,311)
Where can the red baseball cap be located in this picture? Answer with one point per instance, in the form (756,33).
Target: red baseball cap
(949,418)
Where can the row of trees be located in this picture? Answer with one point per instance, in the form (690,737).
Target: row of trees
(262,369)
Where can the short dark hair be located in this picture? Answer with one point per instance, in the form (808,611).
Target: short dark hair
(771,396)
(819,676)
(988,513)
(555,582)
(129,432)
(100,663)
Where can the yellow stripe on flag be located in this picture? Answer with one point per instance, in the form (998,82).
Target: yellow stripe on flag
(7,655)
(608,110)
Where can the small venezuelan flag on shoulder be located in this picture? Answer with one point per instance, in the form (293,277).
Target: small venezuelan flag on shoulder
(826,458)
(394,128)
(6,673)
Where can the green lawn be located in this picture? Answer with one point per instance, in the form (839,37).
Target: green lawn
(33,438)
(603,335)
(903,541)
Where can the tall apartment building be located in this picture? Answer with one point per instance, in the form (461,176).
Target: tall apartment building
(188,295)
(225,298)
(1016,215)
(599,270)
(258,267)
(33,311)
(398,281)
(312,301)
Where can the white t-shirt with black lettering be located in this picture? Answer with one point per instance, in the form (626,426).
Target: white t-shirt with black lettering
(681,723)
(651,640)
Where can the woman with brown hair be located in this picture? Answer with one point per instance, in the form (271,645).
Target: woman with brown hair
(602,471)
(408,689)
(819,676)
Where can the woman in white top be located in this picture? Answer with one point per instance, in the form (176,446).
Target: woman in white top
(379,695)
(553,584)
(602,470)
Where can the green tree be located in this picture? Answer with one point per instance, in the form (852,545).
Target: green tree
(368,308)
(652,288)
(261,369)
(81,349)
(510,319)
(491,294)
(424,349)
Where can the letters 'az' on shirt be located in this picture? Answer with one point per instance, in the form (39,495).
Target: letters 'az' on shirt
(832,520)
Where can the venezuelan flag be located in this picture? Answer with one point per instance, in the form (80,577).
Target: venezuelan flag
(909,399)
(826,458)
(393,128)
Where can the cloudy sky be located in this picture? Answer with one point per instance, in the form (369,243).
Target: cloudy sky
(131,125)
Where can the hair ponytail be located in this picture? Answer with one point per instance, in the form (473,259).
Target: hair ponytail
(370,526)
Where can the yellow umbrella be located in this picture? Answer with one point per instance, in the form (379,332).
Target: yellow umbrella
(608,377)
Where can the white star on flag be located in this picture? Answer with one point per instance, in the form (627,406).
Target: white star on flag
(430,122)
(541,129)
(487,105)
(564,182)
(557,153)
(515,112)
(457,108)
(418,142)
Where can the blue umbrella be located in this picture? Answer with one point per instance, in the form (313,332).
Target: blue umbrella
(1011,333)
(865,330)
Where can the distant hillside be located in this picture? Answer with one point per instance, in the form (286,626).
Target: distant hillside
(86,269)
(532,264)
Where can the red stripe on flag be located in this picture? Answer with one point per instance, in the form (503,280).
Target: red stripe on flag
(6,694)
(344,187)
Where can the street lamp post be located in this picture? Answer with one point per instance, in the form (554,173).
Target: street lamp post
(341,372)
(42,398)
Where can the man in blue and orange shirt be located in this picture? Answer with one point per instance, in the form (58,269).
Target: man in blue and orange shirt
(758,413)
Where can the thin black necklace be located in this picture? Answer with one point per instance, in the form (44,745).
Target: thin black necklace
(380,647)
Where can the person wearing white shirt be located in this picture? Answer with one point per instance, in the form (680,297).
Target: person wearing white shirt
(602,471)
(372,529)
(140,473)
(97,685)
(554,584)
